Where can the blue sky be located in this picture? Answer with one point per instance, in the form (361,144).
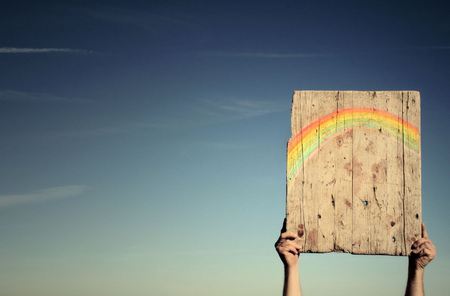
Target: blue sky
(143,143)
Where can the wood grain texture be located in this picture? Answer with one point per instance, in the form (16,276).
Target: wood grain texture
(354,171)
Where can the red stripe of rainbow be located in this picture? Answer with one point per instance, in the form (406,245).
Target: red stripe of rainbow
(319,131)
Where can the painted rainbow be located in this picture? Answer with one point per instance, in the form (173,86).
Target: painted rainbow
(303,145)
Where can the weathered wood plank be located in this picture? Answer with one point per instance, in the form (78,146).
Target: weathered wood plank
(362,160)
(325,174)
(294,184)
(311,190)
(342,146)
(353,173)
(412,171)
(394,177)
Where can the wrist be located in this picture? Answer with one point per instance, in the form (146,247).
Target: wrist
(418,270)
(415,269)
(291,268)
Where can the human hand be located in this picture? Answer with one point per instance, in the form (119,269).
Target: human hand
(288,247)
(423,251)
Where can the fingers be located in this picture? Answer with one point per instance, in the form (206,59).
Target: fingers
(288,239)
(288,235)
(283,243)
(429,253)
(418,242)
(422,247)
(291,249)
(293,244)
(423,250)
(288,246)
(424,231)
(286,250)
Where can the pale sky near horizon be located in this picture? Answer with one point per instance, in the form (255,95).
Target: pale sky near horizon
(143,142)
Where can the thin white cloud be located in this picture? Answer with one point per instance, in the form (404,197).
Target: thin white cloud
(202,113)
(217,145)
(238,108)
(117,129)
(267,55)
(44,195)
(23,96)
(95,131)
(29,50)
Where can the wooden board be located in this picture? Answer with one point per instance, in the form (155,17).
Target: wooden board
(354,171)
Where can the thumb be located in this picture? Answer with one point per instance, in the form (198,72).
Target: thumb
(424,231)
(283,229)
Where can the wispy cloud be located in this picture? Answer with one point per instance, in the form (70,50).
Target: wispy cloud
(23,96)
(266,55)
(200,113)
(29,50)
(99,131)
(111,130)
(44,195)
(305,55)
(216,145)
(233,109)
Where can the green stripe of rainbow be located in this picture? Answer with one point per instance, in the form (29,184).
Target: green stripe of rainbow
(327,126)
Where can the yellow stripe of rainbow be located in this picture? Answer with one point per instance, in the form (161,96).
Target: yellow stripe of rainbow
(307,140)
